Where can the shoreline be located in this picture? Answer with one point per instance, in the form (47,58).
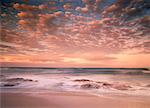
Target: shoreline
(69,100)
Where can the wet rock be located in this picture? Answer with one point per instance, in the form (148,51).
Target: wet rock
(107,84)
(15,79)
(36,81)
(121,87)
(81,80)
(28,80)
(99,82)
(18,79)
(90,86)
(148,85)
(10,84)
(1,76)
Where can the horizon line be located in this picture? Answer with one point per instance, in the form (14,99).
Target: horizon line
(75,67)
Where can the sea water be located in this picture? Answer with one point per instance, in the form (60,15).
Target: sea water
(65,79)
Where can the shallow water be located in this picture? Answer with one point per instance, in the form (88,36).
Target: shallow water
(63,79)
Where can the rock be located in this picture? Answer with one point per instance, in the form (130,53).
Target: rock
(90,86)
(121,87)
(148,85)
(6,85)
(81,80)
(99,82)
(2,76)
(18,79)
(10,84)
(28,80)
(107,84)
(15,79)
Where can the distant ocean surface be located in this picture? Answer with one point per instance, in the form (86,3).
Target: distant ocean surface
(98,81)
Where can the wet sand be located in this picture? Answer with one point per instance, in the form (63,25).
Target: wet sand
(69,100)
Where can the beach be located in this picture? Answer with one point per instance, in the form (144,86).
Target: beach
(69,100)
(74,88)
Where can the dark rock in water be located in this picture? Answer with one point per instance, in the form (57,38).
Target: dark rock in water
(6,85)
(82,80)
(10,84)
(121,87)
(148,85)
(18,79)
(2,75)
(107,84)
(99,82)
(90,86)
(15,79)
(28,80)
(35,80)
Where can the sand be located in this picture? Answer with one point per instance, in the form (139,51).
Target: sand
(69,100)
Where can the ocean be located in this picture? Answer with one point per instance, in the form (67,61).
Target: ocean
(96,81)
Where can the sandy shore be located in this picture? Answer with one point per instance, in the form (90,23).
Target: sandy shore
(68,100)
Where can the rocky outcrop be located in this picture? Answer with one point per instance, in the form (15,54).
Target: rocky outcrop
(18,79)
(90,86)
(148,85)
(82,80)
(107,84)
(10,82)
(1,76)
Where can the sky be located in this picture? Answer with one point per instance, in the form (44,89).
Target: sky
(75,33)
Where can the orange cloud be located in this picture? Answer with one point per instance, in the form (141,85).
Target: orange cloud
(25,7)
(84,10)
(112,8)
(46,23)
(145,21)
(26,15)
(27,24)
(43,7)
(68,6)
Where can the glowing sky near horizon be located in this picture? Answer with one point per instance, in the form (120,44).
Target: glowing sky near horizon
(75,33)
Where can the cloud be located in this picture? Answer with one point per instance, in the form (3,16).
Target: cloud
(87,58)
(145,21)
(99,57)
(27,24)
(49,23)
(26,15)
(90,6)
(43,7)
(36,18)
(68,6)
(24,7)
